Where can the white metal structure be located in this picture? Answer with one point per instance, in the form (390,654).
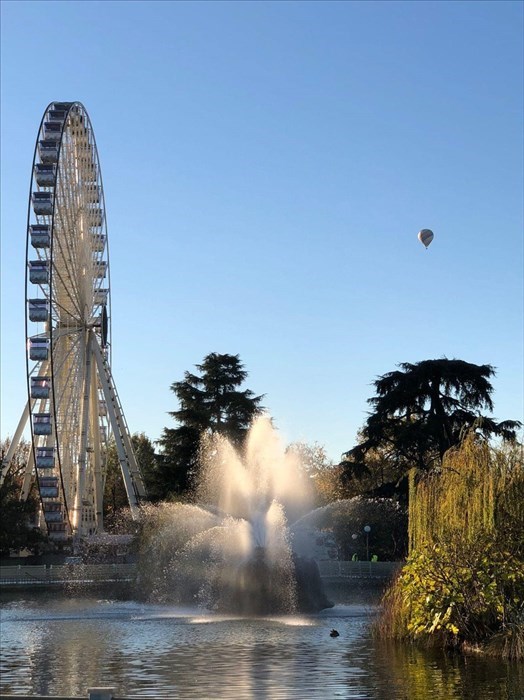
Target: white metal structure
(73,407)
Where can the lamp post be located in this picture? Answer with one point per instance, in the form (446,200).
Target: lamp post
(354,538)
(367,530)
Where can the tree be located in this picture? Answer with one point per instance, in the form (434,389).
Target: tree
(388,523)
(147,460)
(17,516)
(421,411)
(209,402)
(323,474)
(463,582)
(115,495)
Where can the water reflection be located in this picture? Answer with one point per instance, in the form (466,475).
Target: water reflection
(428,674)
(61,646)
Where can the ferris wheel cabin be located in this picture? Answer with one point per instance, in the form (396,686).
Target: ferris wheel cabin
(40,387)
(40,235)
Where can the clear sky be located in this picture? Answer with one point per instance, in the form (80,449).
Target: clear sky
(267,167)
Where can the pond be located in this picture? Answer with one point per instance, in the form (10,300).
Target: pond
(59,644)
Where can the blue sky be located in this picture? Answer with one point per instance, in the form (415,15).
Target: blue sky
(267,167)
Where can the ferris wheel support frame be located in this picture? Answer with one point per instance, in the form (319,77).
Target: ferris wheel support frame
(81,467)
(131,475)
(130,471)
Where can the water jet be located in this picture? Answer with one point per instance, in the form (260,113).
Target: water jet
(232,551)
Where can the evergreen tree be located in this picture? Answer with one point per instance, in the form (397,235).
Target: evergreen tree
(210,401)
(421,411)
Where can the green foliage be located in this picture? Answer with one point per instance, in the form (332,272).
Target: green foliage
(17,516)
(421,411)
(461,591)
(463,583)
(147,461)
(115,496)
(347,518)
(388,522)
(478,489)
(208,402)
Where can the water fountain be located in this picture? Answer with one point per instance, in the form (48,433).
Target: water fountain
(234,554)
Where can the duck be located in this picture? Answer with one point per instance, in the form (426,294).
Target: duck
(334,633)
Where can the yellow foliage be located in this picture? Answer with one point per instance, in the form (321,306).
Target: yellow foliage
(475,482)
(464,578)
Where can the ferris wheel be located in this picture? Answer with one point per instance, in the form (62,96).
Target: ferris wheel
(73,408)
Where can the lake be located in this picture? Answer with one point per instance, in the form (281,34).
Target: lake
(58,643)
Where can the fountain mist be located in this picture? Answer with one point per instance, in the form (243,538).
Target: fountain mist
(235,552)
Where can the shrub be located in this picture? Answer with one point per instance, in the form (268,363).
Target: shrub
(461,592)
(463,582)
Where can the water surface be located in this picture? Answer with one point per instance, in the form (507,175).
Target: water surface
(58,644)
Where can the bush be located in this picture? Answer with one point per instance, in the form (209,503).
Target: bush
(463,582)
(461,594)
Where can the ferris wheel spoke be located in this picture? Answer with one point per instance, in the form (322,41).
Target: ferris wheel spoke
(60,303)
(65,269)
(68,215)
(65,287)
(66,396)
(64,371)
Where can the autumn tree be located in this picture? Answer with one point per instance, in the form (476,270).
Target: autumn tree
(324,475)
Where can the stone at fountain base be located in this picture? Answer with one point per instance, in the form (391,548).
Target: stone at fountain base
(257,587)
(310,589)
(260,588)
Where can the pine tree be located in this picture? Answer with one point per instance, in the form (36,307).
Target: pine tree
(212,402)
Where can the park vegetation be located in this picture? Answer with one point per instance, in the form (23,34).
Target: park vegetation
(419,412)
(209,402)
(18,516)
(463,582)
(427,447)
(115,496)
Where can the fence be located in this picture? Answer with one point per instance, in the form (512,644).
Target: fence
(342,570)
(65,573)
(330,570)
(92,694)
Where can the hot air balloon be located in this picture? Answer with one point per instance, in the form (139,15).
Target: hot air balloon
(425,236)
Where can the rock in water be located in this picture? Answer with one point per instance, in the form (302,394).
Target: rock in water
(310,589)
